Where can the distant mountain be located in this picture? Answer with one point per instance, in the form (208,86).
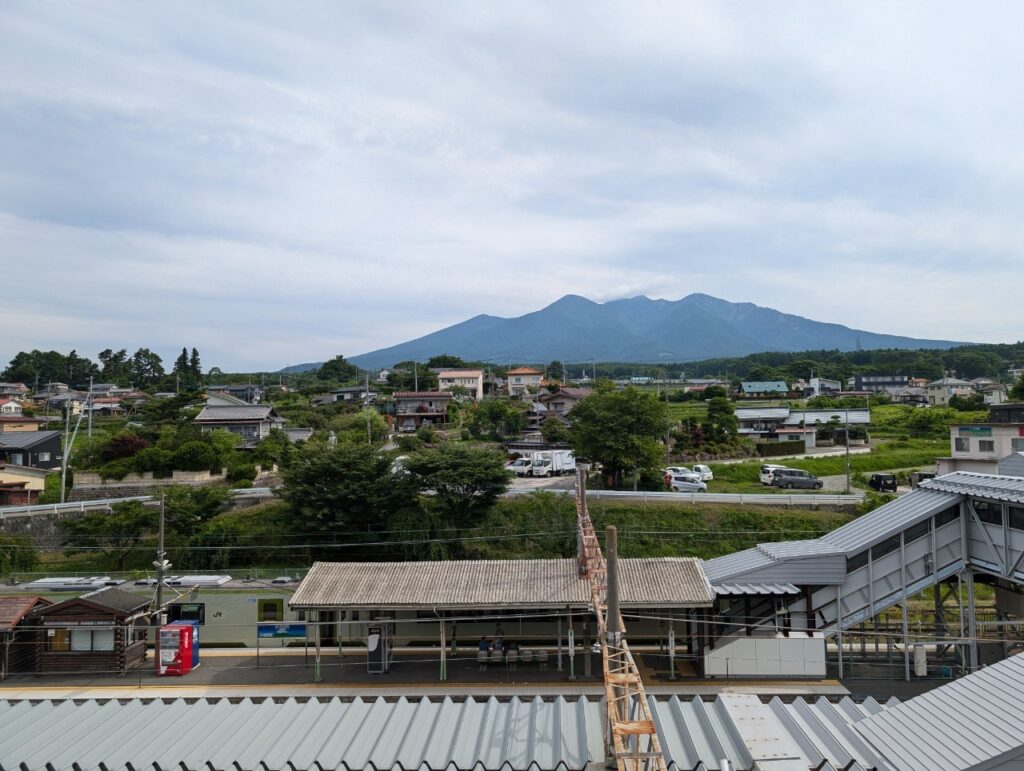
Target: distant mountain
(301,367)
(636,329)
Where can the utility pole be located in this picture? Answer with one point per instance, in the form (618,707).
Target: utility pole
(89,402)
(847,450)
(67,448)
(415,377)
(161,563)
(366,406)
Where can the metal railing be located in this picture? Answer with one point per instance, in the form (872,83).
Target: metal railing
(766,499)
(105,503)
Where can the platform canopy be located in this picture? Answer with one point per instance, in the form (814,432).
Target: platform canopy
(465,584)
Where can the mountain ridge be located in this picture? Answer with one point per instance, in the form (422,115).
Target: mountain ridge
(636,329)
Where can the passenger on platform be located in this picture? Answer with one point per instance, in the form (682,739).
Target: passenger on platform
(485,645)
(499,637)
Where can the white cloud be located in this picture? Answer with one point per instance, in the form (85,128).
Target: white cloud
(280,185)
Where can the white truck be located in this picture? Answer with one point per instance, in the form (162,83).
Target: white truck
(548,463)
(521,466)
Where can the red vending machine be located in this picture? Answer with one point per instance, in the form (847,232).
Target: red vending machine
(179,649)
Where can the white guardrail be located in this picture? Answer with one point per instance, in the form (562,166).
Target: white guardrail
(104,503)
(766,499)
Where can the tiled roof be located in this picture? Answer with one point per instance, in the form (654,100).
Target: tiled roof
(247,412)
(490,583)
(14,609)
(19,419)
(524,371)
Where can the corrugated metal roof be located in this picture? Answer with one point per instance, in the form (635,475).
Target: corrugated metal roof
(781,550)
(762,413)
(810,417)
(992,486)
(763,386)
(14,609)
(963,724)
(729,565)
(378,734)
(889,519)
(491,583)
(724,590)
(232,412)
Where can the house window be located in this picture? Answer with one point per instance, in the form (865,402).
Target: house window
(961,444)
(17,459)
(84,640)
(1017,445)
(986,445)
(43,457)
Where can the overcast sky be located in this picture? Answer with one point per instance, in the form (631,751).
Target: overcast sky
(277,182)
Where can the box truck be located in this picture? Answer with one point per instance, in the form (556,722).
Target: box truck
(553,463)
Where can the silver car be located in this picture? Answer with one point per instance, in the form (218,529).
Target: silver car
(686,484)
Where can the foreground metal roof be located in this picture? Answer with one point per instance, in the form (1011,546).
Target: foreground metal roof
(669,581)
(974,722)
(377,734)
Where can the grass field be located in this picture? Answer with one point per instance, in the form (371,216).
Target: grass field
(898,454)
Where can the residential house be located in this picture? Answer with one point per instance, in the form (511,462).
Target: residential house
(38,449)
(763,388)
(299,434)
(18,636)
(109,389)
(249,393)
(993,393)
(102,631)
(914,396)
(105,406)
(15,423)
(941,391)
(382,376)
(563,400)
(10,407)
(470,379)
(14,389)
(358,394)
(817,386)
(522,380)
(1013,373)
(876,383)
(417,408)
(980,446)
(252,422)
(60,401)
(21,485)
(783,422)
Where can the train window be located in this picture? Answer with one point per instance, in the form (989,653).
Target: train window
(947,515)
(992,513)
(857,561)
(271,610)
(186,611)
(887,546)
(917,531)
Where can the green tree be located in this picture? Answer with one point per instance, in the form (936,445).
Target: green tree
(146,367)
(466,481)
(115,367)
(114,534)
(195,367)
(337,370)
(348,486)
(495,419)
(1017,392)
(720,425)
(17,554)
(445,361)
(410,376)
(49,367)
(554,430)
(714,392)
(196,456)
(188,509)
(619,429)
(972,403)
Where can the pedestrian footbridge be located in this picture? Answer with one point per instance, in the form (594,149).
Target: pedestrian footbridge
(949,529)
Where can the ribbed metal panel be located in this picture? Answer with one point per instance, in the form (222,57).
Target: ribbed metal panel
(378,734)
(968,723)
(991,486)
(725,590)
(889,519)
